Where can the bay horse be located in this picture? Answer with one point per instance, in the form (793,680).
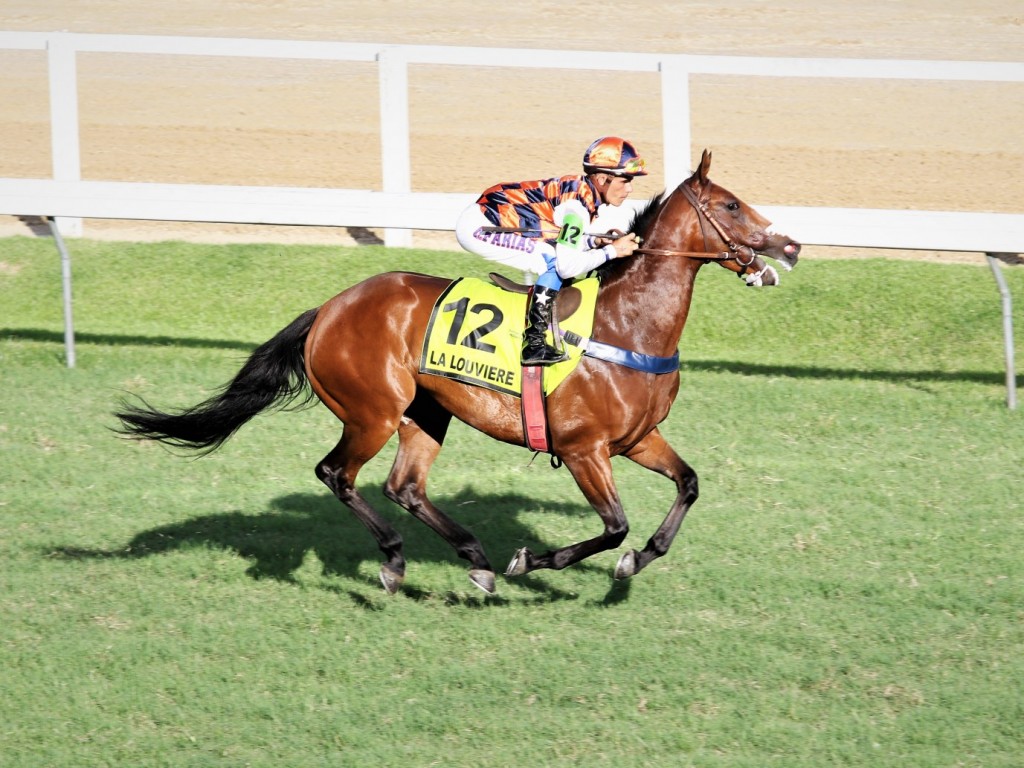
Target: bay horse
(359,353)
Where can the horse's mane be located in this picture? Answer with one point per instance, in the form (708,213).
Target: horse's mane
(643,217)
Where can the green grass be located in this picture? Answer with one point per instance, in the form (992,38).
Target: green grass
(848,590)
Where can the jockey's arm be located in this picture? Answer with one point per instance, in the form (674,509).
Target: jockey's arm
(570,262)
(576,251)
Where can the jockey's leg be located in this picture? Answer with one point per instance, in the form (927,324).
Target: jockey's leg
(535,257)
(474,233)
(536,350)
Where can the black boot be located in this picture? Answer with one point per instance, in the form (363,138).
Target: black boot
(536,350)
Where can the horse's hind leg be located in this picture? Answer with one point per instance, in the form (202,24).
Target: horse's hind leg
(655,454)
(420,436)
(338,472)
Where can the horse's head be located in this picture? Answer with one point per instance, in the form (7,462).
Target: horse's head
(728,225)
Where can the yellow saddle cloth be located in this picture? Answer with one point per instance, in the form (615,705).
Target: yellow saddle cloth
(475,335)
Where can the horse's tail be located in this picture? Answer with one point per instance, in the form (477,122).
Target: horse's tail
(274,373)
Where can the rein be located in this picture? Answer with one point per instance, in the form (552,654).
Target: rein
(718,256)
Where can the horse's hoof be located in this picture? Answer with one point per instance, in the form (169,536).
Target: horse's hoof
(483,579)
(627,565)
(518,565)
(391,580)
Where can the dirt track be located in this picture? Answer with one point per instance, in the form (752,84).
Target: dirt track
(795,142)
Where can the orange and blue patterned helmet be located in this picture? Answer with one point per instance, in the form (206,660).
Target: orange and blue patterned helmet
(613,155)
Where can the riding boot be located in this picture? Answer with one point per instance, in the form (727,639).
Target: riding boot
(536,350)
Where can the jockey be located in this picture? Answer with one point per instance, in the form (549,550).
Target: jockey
(546,230)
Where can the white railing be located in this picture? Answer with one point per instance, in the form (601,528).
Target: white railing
(855,227)
(398,210)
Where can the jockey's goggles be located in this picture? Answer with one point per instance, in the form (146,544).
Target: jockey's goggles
(635,167)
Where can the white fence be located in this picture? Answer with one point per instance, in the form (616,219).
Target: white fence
(398,210)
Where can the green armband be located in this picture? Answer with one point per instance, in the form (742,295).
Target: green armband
(571,233)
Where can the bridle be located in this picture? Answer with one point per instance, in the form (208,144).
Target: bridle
(705,214)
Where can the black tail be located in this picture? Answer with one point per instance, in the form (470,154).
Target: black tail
(273,373)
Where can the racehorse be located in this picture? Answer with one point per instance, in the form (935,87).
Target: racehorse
(359,354)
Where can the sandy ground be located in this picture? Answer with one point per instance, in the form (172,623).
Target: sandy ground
(886,144)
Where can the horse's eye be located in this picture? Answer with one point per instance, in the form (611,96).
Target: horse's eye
(733,206)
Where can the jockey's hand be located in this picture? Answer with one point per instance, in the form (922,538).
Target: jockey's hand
(609,237)
(614,234)
(625,245)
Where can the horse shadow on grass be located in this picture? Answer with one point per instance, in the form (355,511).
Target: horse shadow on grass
(277,543)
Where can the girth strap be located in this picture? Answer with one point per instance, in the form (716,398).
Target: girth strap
(638,361)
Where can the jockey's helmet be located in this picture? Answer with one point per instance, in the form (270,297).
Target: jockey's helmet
(613,155)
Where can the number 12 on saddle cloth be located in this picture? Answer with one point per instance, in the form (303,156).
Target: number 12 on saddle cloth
(475,335)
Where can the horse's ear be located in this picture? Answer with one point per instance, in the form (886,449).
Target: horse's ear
(705,164)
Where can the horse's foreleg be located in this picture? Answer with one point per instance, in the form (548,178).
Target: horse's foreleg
(338,472)
(407,483)
(593,474)
(655,454)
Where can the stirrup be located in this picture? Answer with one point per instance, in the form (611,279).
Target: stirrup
(546,355)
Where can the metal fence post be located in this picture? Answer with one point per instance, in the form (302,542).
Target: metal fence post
(65,274)
(1004,293)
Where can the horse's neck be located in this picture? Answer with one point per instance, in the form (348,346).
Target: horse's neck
(646,298)
(644,304)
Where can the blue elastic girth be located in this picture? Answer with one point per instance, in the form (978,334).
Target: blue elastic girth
(612,354)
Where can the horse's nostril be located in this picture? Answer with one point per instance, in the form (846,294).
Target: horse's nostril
(791,249)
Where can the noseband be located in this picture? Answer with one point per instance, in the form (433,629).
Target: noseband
(705,214)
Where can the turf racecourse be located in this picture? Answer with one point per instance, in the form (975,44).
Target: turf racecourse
(847,591)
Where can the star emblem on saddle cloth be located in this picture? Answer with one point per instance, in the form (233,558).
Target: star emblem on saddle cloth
(543,299)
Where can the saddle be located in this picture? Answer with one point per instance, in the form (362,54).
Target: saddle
(567,302)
